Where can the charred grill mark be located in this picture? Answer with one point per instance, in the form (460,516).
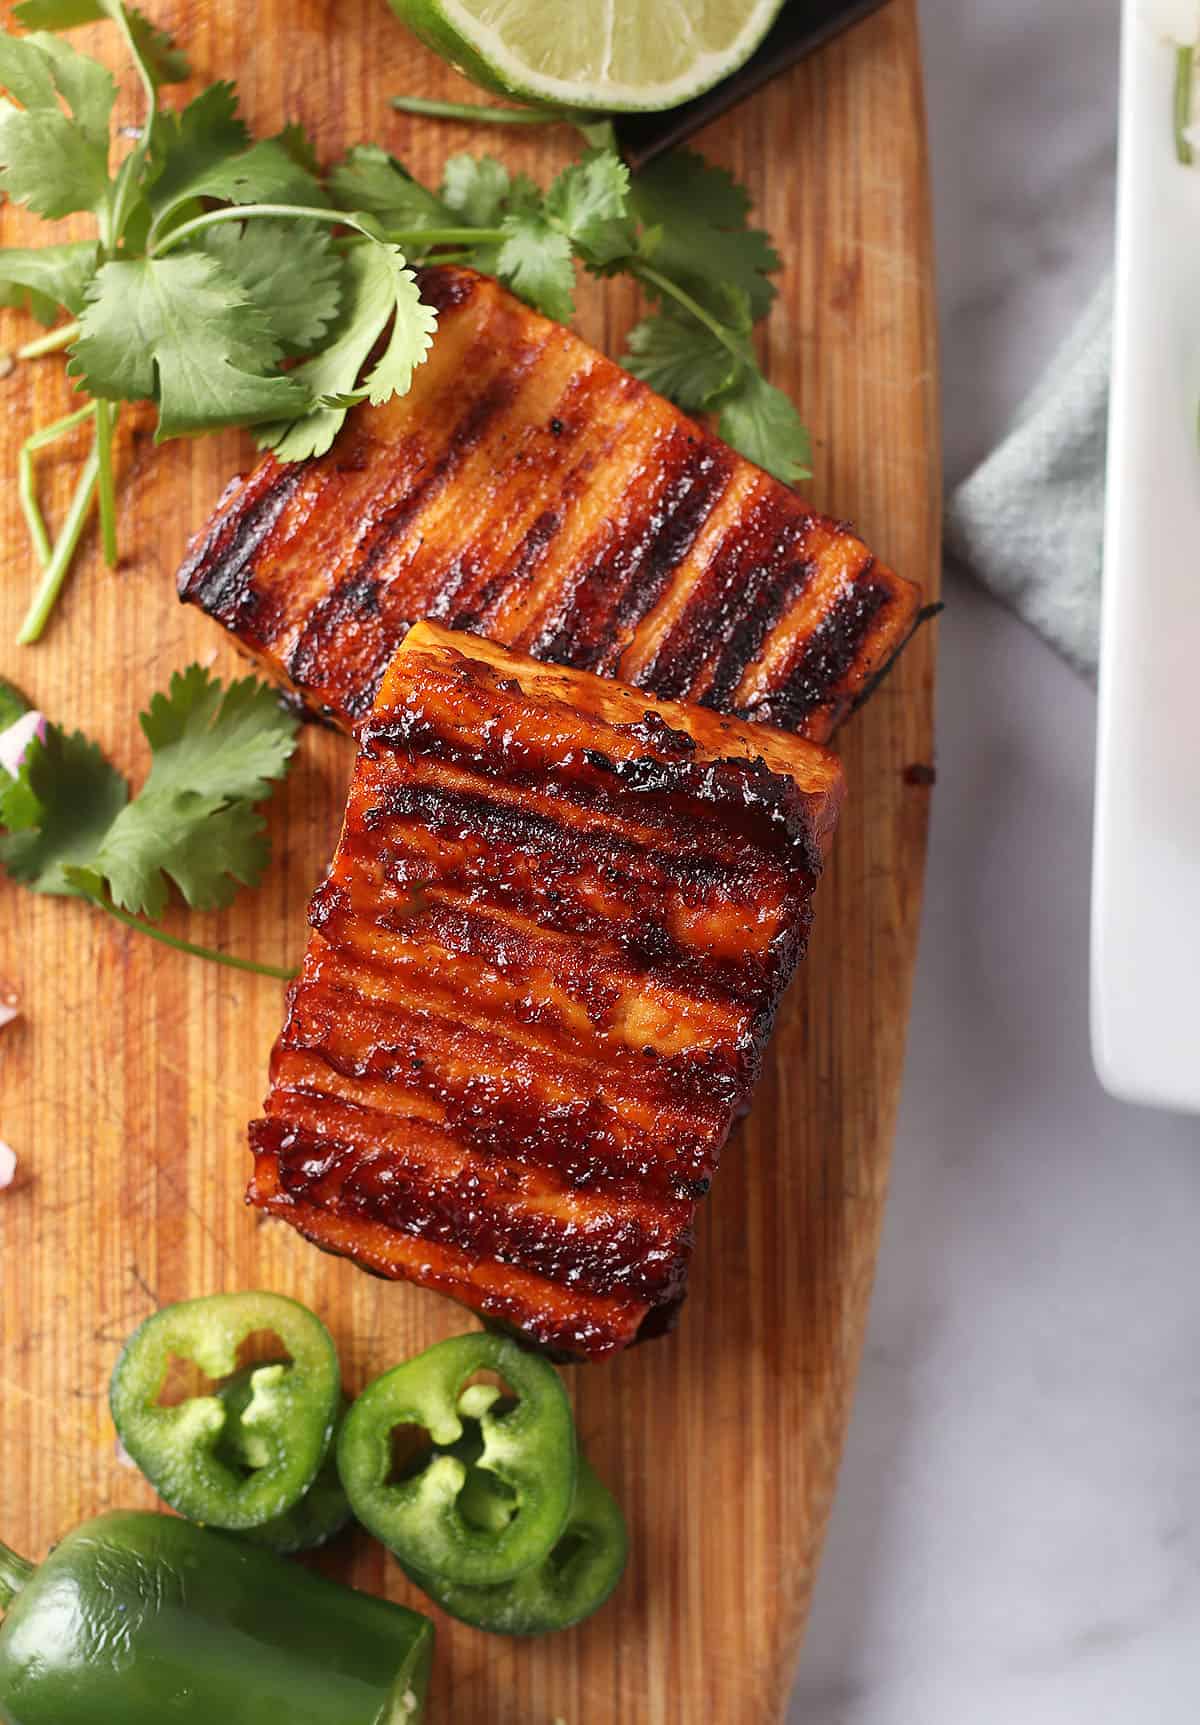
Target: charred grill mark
(735,603)
(578,1138)
(568,1322)
(771,587)
(539,934)
(681,1103)
(530,554)
(607,1246)
(818,671)
(684,510)
(677,798)
(665,511)
(326,621)
(219,571)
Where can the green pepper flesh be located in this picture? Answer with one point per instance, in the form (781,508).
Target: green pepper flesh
(284,1425)
(321,1513)
(136,1619)
(573,1582)
(487,1450)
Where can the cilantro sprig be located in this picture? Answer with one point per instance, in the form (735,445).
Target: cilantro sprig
(231,283)
(69,827)
(218,263)
(680,227)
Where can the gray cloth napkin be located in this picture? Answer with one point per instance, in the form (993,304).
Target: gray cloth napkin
(1029,521)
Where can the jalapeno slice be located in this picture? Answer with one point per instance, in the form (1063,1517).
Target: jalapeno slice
(322,1512)
(570,1584)
(492,1494)
(241,1461)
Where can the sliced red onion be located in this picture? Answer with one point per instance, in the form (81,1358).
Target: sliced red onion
(8,1164)
(16,739)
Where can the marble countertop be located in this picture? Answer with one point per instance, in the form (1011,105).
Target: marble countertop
(1016,1539)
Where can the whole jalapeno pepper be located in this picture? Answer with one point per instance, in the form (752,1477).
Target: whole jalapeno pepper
(230,1466)
(492,1495)
(569,1584)
(137,1619)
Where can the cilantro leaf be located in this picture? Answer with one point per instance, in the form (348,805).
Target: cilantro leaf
(480,193)
(698,214)
(210,740)
(47,164)
(84,84)
(65,799)
(536,262)
(215,751)
(377,286)
(179,330)
(54,162)
(188,145)
(47,277)
(207,848)
(266,173)
(679,357)
(289,270)
(762,422)
(476,189)
(413,324)
(300,147)
(38,69)
(12,706)
(590,201)
(166,63)
(369,179)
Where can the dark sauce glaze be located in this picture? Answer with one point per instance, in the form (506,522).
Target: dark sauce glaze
(529,490)
(543,968)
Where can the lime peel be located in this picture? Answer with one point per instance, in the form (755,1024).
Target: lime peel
(619,56)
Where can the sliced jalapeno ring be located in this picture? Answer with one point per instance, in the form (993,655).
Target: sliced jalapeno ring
(492,1495)
(322,1512)
(215,1461)
(570,1584)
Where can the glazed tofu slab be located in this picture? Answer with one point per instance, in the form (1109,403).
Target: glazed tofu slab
(529,490)
(542,971)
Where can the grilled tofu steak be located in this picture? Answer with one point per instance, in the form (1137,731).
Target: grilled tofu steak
(530,491)
(542,970)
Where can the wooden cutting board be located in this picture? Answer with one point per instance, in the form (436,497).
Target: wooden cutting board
(126,1084)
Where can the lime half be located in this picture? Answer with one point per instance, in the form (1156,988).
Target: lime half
(605,56)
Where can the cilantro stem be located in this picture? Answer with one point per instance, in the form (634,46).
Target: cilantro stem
(128,184)
(35,521)
(595,129)
(52,342)
(106,419)
(480,111)
(423,237)
(663,284)
(278,971)
(1185,67)
(64,549)
(26,481)
(247,212)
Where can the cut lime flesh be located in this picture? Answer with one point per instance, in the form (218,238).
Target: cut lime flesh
(607,56)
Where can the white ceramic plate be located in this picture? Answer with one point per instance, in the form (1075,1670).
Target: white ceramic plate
(1146,885)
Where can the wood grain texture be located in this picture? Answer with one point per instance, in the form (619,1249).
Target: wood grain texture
(126,1085)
